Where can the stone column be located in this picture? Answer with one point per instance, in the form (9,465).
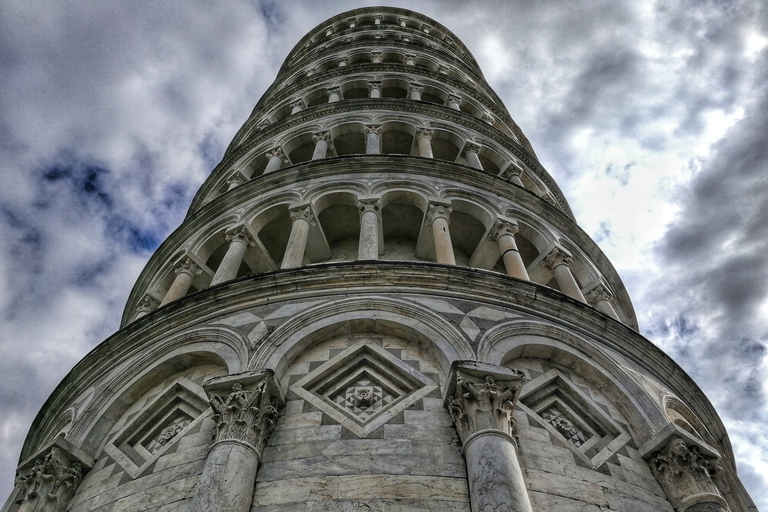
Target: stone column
(334,94)
(402,21)
(438,216)
(297,106)
(372,144)
(453,102)
(147,305)
(377,19)
(185,274)
(410,60)
(235,180)
(503,233)
(559,262)
(49,483)
(374,89)
(514,175)
(480,399)
(424,138)
(368,248)
(600,297)
(276,160)
(415,92)
(239,240)
(470,153)
(321,145)
(245,411)
(302,219)
(376,57)
(686,474)
(352,22)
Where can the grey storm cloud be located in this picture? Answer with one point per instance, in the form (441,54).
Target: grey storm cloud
(113,113)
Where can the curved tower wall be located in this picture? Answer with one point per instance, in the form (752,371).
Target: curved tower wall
(379,300)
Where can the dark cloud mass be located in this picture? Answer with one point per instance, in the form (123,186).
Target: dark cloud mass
(652,117)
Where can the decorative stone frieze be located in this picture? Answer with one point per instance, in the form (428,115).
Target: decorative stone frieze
(480,398)
(245,408)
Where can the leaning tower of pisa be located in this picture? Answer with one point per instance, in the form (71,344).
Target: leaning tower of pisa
(379,300)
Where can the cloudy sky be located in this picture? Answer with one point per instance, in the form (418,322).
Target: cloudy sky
(652,117)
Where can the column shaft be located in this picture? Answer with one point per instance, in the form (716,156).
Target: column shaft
(606,307)
(494,475)
(321,148)
(228,478)
(473,159)
(297,241)
(567,282)
(230,264)
(372,146)
(184,277)
(511,256)
(425,144)
(443,245)
(275,162)
(369,234)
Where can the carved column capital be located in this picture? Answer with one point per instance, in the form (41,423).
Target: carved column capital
(188,267)
(377,19)
(514,170)
(503,227)
(439,211)
(442,69)
(240,234)
(597,294)
(686,474)
(235,180)
(343,61)
(324,136)
(402,21)
(410,60)
(488,118)
(557,257)
(424,133)
(298,104)
(352,22)
(147,304)
(303,213)
(470,147)
(244,407)
(416,88)
(376,57)
(329,31)
(369,204)
(425,28)
(481,398)
(48,480)
(373,128)
(277,151)
(374,84)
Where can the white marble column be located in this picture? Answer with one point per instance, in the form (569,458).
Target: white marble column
(503,233)
(297,106)
(239,240)
(374,89)
(368,248)
(424,139)
(559,262)
(372,143)
(235,181)
(376,57)
(185,274)
(480,399)
(245,412)
(438,217)
(471,154)
(302,219)
(276,160)
(334,94)
(453,102)
(147,304)
(321,145)
(514,175)
(600,297)
(415,92)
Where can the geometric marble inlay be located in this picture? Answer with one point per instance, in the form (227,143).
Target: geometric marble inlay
(363,387)
(572,416)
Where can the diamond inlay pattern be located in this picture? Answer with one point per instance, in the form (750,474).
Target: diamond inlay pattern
(363,387)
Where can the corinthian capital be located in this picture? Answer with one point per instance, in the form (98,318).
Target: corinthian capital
(276,152)
(369,204)
(240,234)
(503,227)
(188,267)
(470,147)
(597,294)
(558,257)
(147,304)
(244,407)
(373,128)
(481,397)
(439,211)
(324,136)
(303,213)
(424,134)
(50,482)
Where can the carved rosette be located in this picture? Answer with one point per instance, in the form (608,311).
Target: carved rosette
(50,484)
(686,474)
(483,398)
(244,415)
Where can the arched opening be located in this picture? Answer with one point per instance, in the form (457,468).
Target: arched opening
(300,149)
(357,89)
(340,221)
(349,139)
(397,138)
(402,216)
(273,227)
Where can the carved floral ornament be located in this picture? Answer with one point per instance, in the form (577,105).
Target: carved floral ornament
(482,398)
(686,474)
(244,408)
(50,484)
